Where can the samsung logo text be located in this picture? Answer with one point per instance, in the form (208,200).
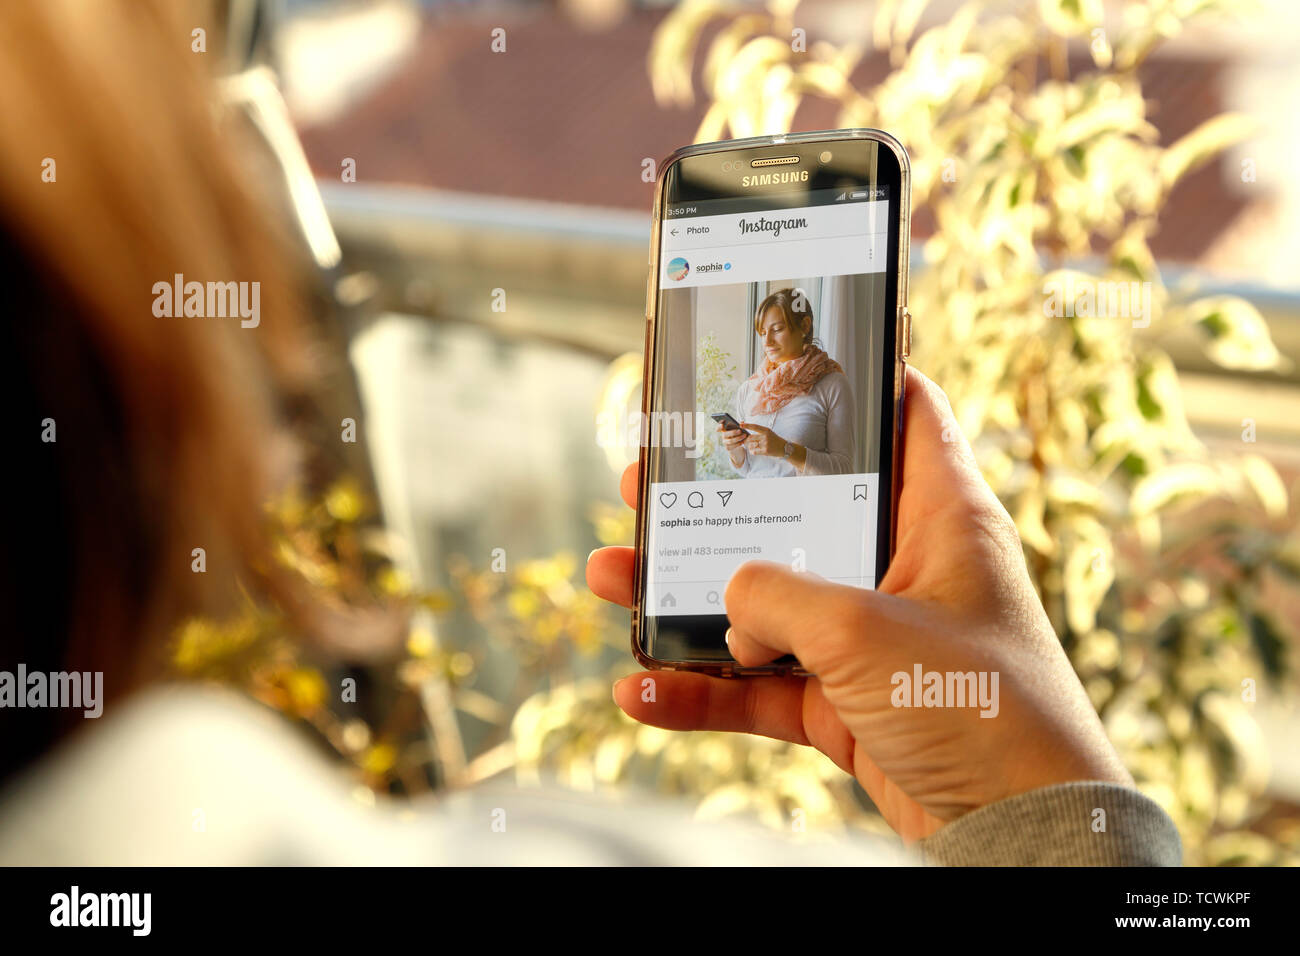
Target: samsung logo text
(774,179)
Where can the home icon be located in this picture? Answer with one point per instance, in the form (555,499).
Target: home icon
(668,601)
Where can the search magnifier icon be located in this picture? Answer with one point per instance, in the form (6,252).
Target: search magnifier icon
(712,597)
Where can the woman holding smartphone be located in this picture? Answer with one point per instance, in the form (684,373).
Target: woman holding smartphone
(796,411)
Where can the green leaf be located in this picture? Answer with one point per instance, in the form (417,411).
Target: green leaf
(1239,336)
(1265,482)
(1203,144)
(1147,404)
(1172,482)
(1074,160)
(1070,17)
(1268,644)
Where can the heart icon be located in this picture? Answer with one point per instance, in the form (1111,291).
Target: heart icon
(668,499)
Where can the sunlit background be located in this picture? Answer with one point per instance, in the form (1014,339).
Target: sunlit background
(475,182)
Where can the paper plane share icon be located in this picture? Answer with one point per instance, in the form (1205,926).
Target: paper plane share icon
(725,496)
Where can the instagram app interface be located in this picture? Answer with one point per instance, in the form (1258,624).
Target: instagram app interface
(771,317)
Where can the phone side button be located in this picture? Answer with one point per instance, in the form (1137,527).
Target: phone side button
(907,334)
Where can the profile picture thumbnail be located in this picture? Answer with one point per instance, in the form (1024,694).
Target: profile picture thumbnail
(678,269)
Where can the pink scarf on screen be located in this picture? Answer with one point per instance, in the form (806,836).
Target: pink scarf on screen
(776,383)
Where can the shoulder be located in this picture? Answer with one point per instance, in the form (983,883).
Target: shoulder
(833,384)
(555,826)
(134,786)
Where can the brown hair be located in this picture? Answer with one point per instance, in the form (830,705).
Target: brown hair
(116,174)
(787,302)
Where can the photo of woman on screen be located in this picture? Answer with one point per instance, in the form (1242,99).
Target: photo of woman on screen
(797,410)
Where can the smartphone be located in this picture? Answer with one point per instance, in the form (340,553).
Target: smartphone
(725,419)
(778,287)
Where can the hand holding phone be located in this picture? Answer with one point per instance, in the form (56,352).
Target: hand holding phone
(734,435)
(814,370)
(726,421)
(960,603)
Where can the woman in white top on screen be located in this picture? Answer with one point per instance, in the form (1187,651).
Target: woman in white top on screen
(798,407)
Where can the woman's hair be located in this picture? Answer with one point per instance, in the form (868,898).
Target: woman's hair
(793,305)
(141,437)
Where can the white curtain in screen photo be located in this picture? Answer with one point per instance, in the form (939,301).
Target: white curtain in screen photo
(835,325)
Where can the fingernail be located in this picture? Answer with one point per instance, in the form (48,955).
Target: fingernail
(728,638)
(593,551)
(614,692)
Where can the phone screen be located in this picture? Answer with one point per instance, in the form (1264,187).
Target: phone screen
(777,301)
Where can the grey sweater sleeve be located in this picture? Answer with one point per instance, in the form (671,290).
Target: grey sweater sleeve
(1071,824)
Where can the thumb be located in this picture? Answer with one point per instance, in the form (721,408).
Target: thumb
(938,464)
(775,611)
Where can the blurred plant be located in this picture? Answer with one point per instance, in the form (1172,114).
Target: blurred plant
(1152,559)
(570,732)
(328,543)
(387,725)
(715,387)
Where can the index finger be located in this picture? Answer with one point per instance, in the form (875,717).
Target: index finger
(783,708)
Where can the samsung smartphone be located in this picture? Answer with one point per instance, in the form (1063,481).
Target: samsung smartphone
(778,297)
